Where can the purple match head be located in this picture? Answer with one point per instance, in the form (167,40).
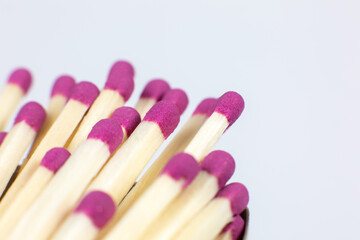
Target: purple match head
(238,196)
(85,92)
(182,166)
(22,78)
(220,164)
(235,228)
(128,118)
(155,89)
(63,86)
(165,114)
(178,97)
(98,206)
(205,105)
(55,158)
(109,132)
(231,105)
(32,114)
(121,79)
(2,136)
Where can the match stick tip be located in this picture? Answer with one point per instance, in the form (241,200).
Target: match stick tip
(238,196)
(98,206)
(22,78)
(128,118)
(178,97)
(166,114)
(205,106)
(2,136)
(182,166)
(155,89)
(85,92)
(220,164)
(55,158)
(109,132)
(231,105)
(235,227)
(33,114)
(63,86)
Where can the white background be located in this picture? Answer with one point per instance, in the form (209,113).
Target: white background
(296,63)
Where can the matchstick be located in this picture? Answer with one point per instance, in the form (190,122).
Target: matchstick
(2,137)
(27,122)
(90,216)
(15,89)
(233,230)
(66,187)
(117,90)
(128,118)
(82,97)
(50,164)
(152,93)
(208,223)
(216,169)
(176,176)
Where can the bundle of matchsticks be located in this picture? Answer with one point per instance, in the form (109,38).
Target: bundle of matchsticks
(73,171)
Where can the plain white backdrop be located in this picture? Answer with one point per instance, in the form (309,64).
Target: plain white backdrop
(296,63)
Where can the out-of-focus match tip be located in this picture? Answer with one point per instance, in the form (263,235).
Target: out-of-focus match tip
(33,114)
(155,89)
(178,97)
(85,92)
(204,106)
(63,86)
(128,118)
(235,227)
(238,196)
(22,78)
(55,158)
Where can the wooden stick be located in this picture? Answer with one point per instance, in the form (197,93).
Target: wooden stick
(209,222)
(17,86)
(64,190)
(152,93)
(118,89)
(28,121)
(217,168)
(81,99)
(91,215)
(233,230)
(177,174)
(50,164)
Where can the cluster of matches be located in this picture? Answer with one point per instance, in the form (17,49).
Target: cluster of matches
(80,178)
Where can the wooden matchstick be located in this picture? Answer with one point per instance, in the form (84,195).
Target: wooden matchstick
(16,87)
(50,164)
(233,230)
(66,187)
(152,93)
(208,223)
(90,216)
(176,176)
(28,121)
(216,170)
(117,90)
(128,118)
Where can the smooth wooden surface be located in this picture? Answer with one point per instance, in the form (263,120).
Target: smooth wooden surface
(10,98)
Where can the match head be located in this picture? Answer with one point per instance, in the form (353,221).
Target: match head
(22,78)
(155,89)
(235,227)
(63,86)
(238,196)
(178,97)
(165,114)
(109,132)
(55,158)
(205,105)
(220,164)
(98,206)
(128,118)
(182,166)
(85,92)
(121,79)
(231,105)
(2,136)
(32,114)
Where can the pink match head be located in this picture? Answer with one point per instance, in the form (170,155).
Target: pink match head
(165,114)
(155,89)
(22,78)
(220,164)
(128,118)
(178,97)
(85,92)
(182,166)
(63,86)
(231,105)
(98,206)
(2,136)
(32,114)
(55,158)
(121,79)
(235,227)
(109,132)
(238,196)
(205,105)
